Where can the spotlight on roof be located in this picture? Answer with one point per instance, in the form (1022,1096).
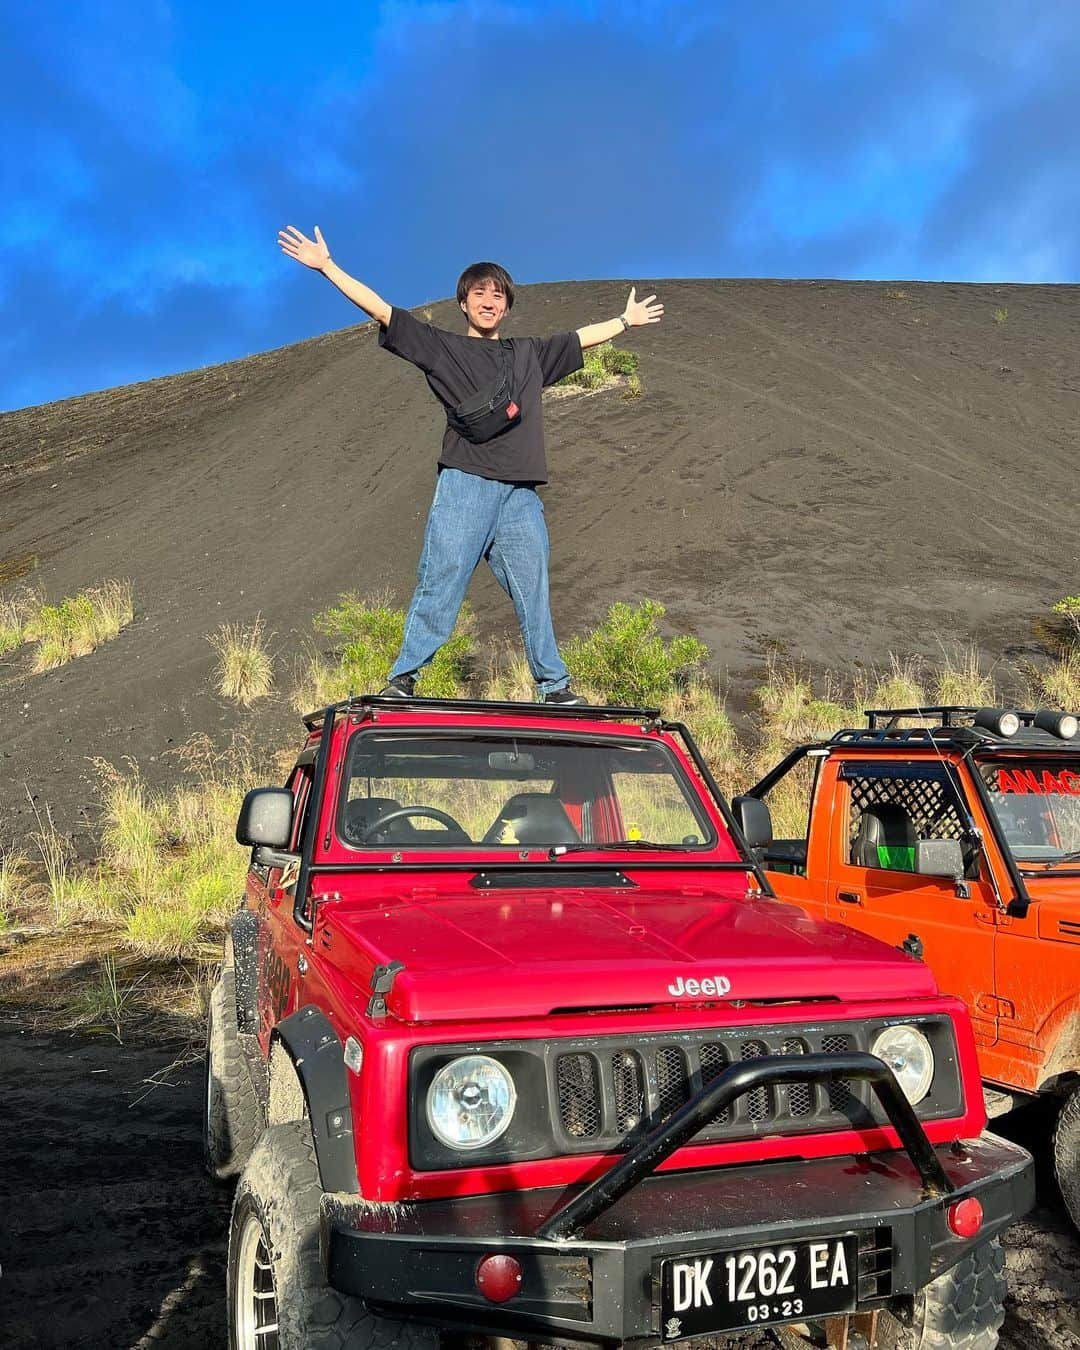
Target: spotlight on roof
(1001,721)
(1064,725)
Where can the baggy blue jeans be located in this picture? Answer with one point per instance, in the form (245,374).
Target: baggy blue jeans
(473,518)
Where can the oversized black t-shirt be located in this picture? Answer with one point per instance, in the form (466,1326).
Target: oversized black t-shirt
(457,367)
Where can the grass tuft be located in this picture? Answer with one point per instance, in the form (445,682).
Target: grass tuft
(105,1003)
(1058,682)
(369,631)
(244,670)
(605,365)
(78,624)
(960,680)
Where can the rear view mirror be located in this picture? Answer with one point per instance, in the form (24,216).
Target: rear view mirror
(939,858)
(752,817)
(510,762)
(266,818)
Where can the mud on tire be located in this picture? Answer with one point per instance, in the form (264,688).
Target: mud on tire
(232,1120)
(275,1273)
(1067,1155)
(963,1309)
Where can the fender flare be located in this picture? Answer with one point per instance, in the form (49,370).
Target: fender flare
(244,935)
(317,1055)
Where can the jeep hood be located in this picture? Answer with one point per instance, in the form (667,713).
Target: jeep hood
(527,954)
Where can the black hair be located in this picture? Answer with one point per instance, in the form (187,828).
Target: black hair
(486,271)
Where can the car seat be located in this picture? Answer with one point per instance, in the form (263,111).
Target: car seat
(535,820)
(885,837)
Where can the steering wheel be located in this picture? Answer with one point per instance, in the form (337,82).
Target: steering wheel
(427,812)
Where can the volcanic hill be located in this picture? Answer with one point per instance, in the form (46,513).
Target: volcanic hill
(836,470)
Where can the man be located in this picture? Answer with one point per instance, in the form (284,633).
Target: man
(492,461)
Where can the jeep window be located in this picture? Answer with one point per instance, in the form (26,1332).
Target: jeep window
(1037,804)
(416,790)
(891,808)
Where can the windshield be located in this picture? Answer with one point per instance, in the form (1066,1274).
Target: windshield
(1037,802)
(417,790)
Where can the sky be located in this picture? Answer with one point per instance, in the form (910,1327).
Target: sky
(152,151)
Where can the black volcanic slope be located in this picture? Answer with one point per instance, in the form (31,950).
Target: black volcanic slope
(845,469)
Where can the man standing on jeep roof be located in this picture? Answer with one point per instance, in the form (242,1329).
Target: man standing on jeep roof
(492,460)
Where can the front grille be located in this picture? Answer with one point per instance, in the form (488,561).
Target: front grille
(579,1095)
(605,1091)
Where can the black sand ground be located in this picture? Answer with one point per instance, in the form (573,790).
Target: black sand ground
(112,1238)
(843,469)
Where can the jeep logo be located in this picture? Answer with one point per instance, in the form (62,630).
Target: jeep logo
(712,986)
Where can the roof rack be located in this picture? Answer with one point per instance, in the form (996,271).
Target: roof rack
(570,712)
(945,713)
(910,736)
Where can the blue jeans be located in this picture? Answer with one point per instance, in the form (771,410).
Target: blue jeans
(473,518)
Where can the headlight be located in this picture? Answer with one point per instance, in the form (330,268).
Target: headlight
(470,1102)
(907,1052)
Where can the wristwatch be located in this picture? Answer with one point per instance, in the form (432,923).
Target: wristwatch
(624,321)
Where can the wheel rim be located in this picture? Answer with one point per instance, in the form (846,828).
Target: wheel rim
(256,1310)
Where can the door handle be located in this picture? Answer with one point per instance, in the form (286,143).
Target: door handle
(849,897)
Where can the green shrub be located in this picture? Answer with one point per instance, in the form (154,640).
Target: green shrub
(1067,623)
(625,661)
(370,631)
(604,365)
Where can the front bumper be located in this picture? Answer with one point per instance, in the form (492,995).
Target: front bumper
(419,1260)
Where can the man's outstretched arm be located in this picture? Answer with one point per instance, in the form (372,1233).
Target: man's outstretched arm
(315,254)
(636,313)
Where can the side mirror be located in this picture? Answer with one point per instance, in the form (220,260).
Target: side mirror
(939,858)
(752,817)
(266,818)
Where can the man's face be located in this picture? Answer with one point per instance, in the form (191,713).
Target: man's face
(485,306)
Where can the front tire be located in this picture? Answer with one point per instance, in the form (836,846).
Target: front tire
(1067,1155)
(232,1120)
(962,1309)
(278,1298)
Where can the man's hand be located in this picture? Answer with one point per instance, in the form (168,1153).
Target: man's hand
(311,252)
(314,253)
(637,311)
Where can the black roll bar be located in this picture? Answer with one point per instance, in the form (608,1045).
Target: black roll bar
(307,844)
(680,1127)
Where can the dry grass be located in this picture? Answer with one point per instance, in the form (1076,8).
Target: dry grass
(104,1002)
(78,624)
(13,882)
(959,679)
(245,668)
(1057,683)
(16,612)
(508,679)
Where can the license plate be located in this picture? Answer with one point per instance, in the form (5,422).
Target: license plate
(785,1282)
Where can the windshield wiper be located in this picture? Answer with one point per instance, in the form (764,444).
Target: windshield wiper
(618,846)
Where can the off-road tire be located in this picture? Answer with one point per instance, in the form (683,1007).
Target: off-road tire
(963,1309)
(1067,1155)
(232,1120)
(277,1203)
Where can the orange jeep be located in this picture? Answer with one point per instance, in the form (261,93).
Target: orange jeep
(957,840)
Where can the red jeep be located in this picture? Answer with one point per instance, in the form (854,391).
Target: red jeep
(958,837)
(512,1039)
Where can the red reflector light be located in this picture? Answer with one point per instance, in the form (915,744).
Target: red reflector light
(498,1278)
(965,1217)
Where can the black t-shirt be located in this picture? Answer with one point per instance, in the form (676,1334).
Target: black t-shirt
(457,366)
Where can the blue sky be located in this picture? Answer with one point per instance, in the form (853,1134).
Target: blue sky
(153,149)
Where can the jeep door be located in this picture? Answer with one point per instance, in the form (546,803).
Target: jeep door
(882,810)
(279,939)
(801,807)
